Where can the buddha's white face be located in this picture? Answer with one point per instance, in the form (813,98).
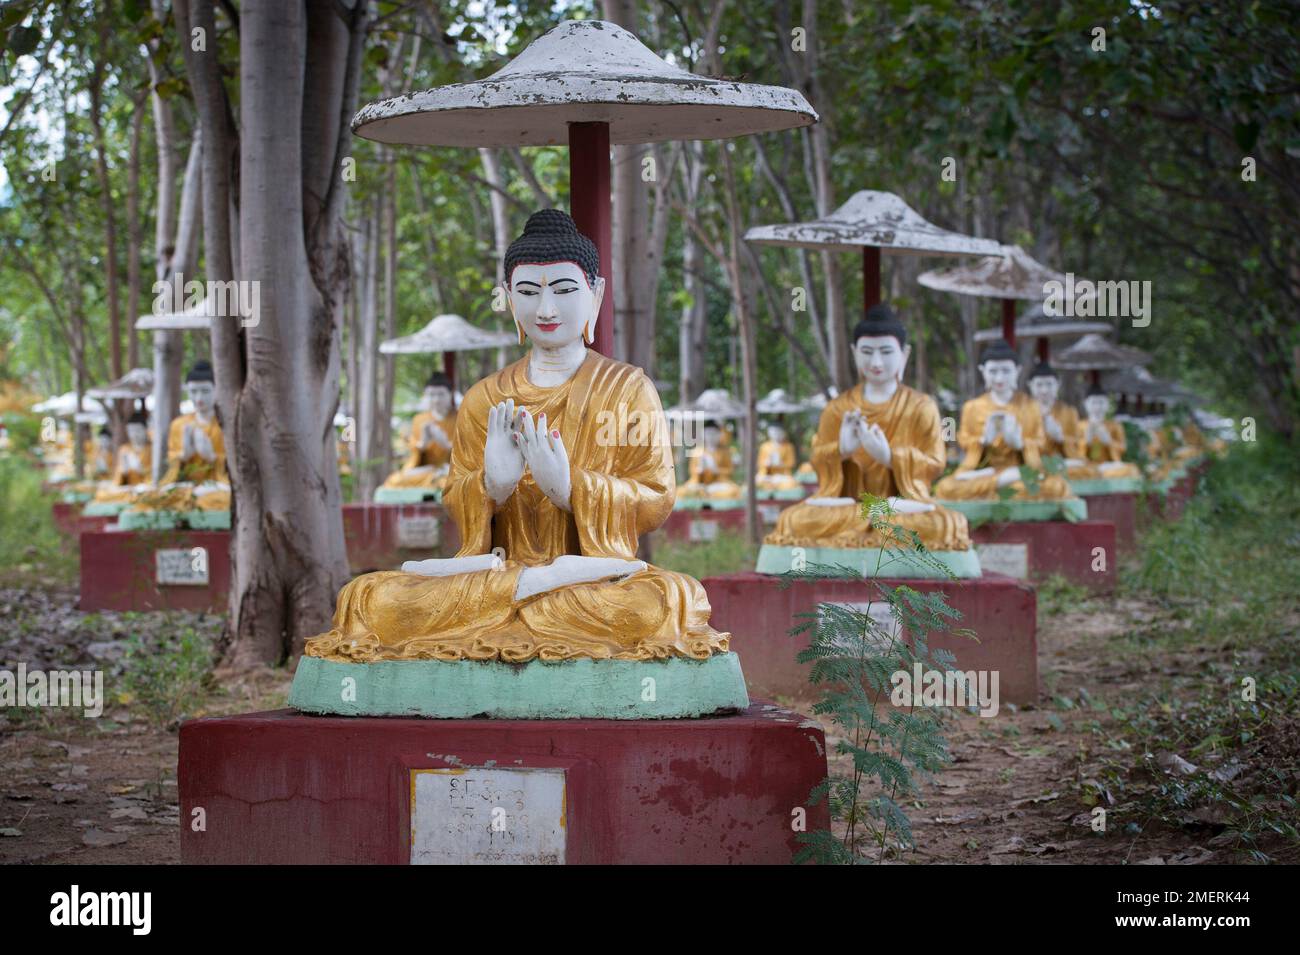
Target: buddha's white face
(438,400)
(712,436)
(1045,388)
(1097,406)
(137,434)
(202,394)
(880,359)
(554,302)
(776,434)
(104,442)
(1000,378)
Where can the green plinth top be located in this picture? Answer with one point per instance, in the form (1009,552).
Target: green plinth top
(871,561)
(575,689)
(983,512)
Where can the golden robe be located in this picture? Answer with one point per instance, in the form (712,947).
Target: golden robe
(779,476)
(999,454)
(910,421)
(1096,453)
(620,490)
(189,471)
(1071,445)
(701,476)
(434,456)
(118,488)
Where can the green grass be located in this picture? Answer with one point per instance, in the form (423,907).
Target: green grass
(30,544)
(167,681)
(727,553)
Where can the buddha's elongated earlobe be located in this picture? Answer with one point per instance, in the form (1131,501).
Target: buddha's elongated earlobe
(520,329)
(589,332)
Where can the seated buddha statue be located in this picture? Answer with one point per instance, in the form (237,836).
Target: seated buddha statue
(710,465)
(133,465)
(196,477)
(774,475)
(1103,442)
(550,510)
(428,460)
(1000,431)
(1060,420)
(880,438)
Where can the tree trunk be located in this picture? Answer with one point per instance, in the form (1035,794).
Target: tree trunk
(277,380)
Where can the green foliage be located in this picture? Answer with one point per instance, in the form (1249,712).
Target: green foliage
(167,680)
(857,664)
(727,553)
(29,541)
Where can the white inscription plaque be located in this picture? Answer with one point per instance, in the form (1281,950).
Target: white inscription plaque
(704,530)
(1009,559)
(417,531)
(181,566)
(481,815)
(887,629)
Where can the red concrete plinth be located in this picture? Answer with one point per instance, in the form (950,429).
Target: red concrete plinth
(70,520)
(121,570)
(381,536)
(760,613)
(1121,510)
(1083,553)
(280,787)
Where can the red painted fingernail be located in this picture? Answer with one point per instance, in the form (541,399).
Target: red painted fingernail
(555,434)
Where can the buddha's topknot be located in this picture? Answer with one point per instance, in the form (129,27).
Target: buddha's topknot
(550,235)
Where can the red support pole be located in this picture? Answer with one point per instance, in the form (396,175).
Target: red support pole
(449,367)
(870,277)
(1044,349)
(590,204)
(1009,321)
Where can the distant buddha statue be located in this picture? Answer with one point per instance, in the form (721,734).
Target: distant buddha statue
(1060,420)
(1103,442)
(881,438)
(710,466)
(550,510)
(196,476)
(1001,431)
(100,461)
(776,463)
(428,460)
(133,464)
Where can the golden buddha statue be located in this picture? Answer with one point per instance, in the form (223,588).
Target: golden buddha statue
(428,460)
(1001,431)
(1103,443)
(550,510)
(196,477)
(1060,420)
(709,467)
(880,438)
(774,476)
(133,465)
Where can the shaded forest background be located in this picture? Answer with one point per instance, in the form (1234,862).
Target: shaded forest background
(1123,163)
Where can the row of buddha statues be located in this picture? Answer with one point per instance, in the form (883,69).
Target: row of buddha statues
(195,479)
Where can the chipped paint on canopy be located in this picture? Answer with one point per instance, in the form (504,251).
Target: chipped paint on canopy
(1136,380)
(446,333)
(195,319)
(1045,327)
(583,71)
(777,401)
(1095,353)
(713,403)
(136,383)
(60,406)
(1009,274)
(873,219)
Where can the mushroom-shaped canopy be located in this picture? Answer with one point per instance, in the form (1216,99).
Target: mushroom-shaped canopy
(62,405)
(820,400)
(1036,323)
(1094,353)
(136,383)
(197,318)
(873,219)
(1009,274)
(93,416)
(583,71)
(1135,380)
(777,401)
(446,333)
(713,403)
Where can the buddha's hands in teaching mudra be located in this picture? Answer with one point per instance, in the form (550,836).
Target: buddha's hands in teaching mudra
(547,458)
(503,458)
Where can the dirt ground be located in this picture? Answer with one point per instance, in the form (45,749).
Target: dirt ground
(1020,790)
